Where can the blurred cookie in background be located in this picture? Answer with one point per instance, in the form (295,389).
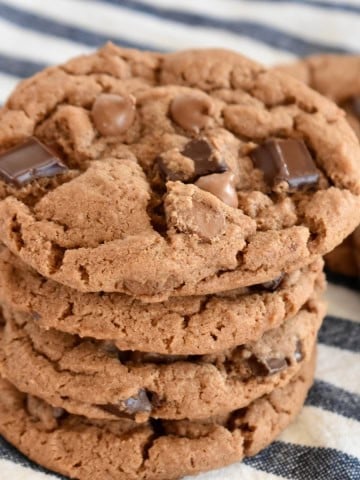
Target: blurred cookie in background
(338,78)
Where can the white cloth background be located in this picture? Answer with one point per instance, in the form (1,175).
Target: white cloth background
(324,443)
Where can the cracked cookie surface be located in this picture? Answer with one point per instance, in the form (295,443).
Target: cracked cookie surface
(98,380)
(336,77)
(82,448)
(179,326)
(161,195)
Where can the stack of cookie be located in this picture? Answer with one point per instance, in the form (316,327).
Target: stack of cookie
(162,223)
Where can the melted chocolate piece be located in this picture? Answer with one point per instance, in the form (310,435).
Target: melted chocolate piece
(29,161)
(113,114)
(222,186)
(285,160)
(206,222)
(270,286)
(200,151)
(267,366)
(190,111)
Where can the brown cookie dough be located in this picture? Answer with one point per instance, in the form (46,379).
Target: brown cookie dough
(159,450)
(59,367)
(336,77)
(157,182)
(179,326)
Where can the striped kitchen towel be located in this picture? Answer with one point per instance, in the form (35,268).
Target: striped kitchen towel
(324,443)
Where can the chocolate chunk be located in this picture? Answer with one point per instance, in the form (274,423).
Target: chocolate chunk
(199,218)
(29,161)
(270,286)
(205,159)
(267,366)
(221,185)
(190,112)
(139,403)
(113,114)
(275,365)
(285,160)
(298,354)
(130,407)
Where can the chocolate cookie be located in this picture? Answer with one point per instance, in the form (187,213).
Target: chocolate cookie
(336,77)
(98,379)
(181,174)
(158,450)
(179,326)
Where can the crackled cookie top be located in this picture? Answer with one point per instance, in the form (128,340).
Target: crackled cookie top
(158,450)
(158,175)
(98,380)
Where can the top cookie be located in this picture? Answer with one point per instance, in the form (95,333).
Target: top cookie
(178,174)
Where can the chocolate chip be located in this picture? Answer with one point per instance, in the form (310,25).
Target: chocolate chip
(190,111)
(221,185)
(285,160)
(113,114)
(29,161)
(139,403)
(35,316)
(270,286)
(130,407)
(267,366)
(275,365)
(204,158)
(298,354)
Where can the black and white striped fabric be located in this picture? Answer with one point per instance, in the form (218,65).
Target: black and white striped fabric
(324,443)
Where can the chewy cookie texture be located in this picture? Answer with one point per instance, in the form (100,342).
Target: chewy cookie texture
(336,77)
(87,376)
(187,184)
(196,325)
(162,222)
